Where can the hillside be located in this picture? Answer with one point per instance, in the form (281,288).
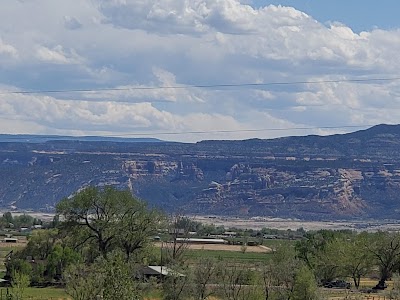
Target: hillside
(354,175)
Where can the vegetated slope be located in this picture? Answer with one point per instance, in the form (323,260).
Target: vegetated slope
(312,177)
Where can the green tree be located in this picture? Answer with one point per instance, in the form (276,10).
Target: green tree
(76,238)
(108,217)
(136,225)
(119,283)
(41,243)
(353,256)
(319,252)
(59,259)
(95,210)
(23,221)
(312,245)
(8,218)
(327,265)
(19,283)
(280,271)
(83,282)
(385,248)
(38,271)
(305,286)
(18,266)
(55,222)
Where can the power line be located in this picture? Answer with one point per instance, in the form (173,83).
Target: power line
(133,134)
(203,86)
(244,130)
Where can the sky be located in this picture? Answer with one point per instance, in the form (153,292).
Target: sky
(359,15)
(190,70)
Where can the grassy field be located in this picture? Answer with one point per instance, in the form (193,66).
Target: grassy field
(4,250)
(232,256)
(237,256)
(153,295)
(275,243)
(51,293)
(48,293)
(33,293)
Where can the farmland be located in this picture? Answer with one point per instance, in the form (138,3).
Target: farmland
(146,253)
(32,293)
(225,247)
(230,254)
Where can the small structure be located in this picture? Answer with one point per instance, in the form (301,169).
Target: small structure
(158,272)
(177,231)
(270,236)
(229,234)
(252,243)
(201,241)
(4,282)
(10,240)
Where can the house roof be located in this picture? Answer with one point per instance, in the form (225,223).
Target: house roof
(198,240)
(160,270)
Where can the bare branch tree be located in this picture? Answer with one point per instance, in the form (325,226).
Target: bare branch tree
(175,247)
(203,274)
(235,283)
(385,247)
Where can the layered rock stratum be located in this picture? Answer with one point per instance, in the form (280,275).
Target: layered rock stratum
(355,175)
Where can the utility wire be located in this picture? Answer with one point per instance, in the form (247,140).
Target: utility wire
(203,86)
(243,130)
(152,134)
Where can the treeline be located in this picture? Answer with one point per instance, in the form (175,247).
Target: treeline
(102,238)
(103,235)
(210,230)
(10,222)
(342,254)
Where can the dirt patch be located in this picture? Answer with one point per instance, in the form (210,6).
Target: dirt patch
(20,243)
(220,247)
(258,223)
(237,248)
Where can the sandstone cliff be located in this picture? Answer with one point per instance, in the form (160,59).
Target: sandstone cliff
(341,176)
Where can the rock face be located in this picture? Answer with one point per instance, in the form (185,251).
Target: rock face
(354,175)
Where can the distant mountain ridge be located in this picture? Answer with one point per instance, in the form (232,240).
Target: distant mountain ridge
(354,175)
(31,138)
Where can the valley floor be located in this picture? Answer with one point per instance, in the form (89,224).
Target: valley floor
(258,223)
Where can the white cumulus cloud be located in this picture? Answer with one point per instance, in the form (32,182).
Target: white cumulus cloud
(57,55)
(142,48)
(7,49)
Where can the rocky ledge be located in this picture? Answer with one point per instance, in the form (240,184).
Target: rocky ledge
(348,176)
